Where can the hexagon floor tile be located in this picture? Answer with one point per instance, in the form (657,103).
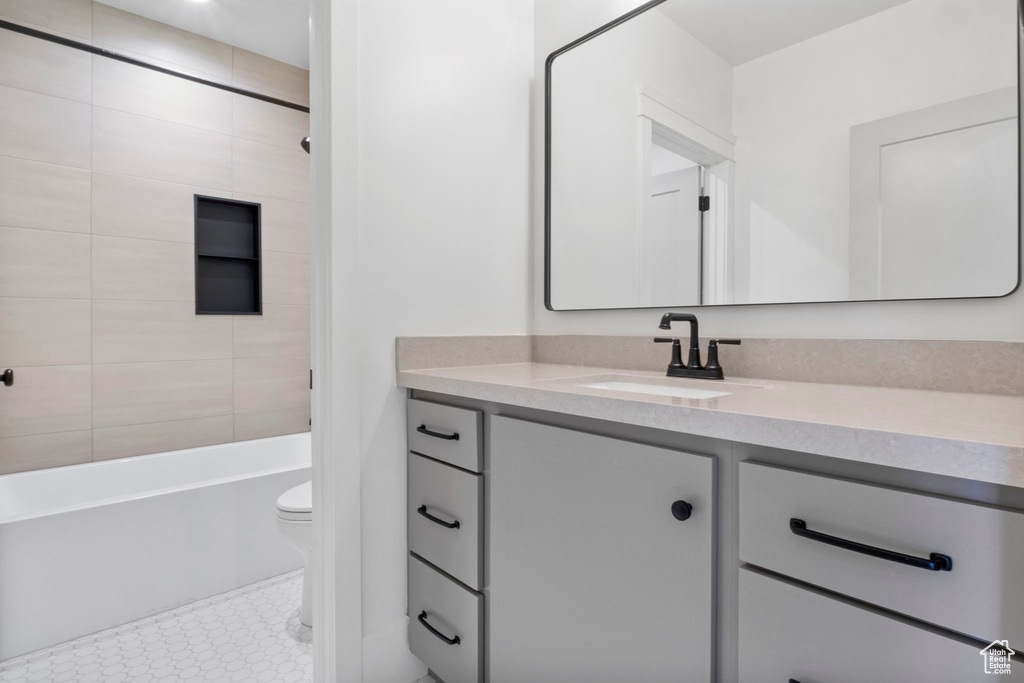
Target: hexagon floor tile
(250,634)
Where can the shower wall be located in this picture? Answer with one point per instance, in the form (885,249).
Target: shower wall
(99,162)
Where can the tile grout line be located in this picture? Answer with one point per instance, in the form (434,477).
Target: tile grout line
(259,263)
(92,328)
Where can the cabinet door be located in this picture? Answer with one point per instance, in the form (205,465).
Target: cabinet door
(592,577)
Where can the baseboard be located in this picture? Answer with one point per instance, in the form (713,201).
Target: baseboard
(386,656)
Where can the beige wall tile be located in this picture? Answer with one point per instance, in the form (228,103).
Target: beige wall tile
(285,278)
(139,146)
(69,18)
(44,263)
(126,206)
(136,90)
(270,77)
(44,196)
(280,331)
(44,128)
(139,393)
(263,384)
(24,453)
(44,400)
(44,332)
(271,423)
(142,270)
(285,226)
(270,171)
(143,331)
(159,437)
(160,43)
(44,67)
(268,123)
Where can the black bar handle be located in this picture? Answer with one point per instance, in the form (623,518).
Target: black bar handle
(7,377)
(422,429)
(422,509)
(936,562)
(423,620)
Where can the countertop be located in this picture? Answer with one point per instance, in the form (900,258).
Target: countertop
(973,436)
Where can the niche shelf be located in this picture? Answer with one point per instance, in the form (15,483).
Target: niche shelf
(228,269)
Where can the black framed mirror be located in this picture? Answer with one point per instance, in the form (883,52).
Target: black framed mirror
(728,152)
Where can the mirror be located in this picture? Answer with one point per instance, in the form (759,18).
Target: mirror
(716,152)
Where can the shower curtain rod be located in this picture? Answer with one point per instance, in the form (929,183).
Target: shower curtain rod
(85,47)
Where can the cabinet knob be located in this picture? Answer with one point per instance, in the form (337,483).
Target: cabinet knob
(681,510)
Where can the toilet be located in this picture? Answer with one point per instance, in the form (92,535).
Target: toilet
(295,520)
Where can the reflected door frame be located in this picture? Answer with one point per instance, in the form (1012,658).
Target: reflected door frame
(866,143)
(662,120)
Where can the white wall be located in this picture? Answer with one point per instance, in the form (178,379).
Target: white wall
(443,179)
(558,22)
(596,249)
(793,111)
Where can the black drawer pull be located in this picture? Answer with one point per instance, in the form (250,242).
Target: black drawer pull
(934,563)
(422,429)
(422,509)
(423,620)
(7,377)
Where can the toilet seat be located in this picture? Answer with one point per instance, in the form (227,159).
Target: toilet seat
(296,504)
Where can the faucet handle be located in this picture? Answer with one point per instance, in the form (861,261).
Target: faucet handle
(713,363)
(677,351)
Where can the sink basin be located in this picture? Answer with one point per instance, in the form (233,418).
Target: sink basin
(694,389)
(656,389)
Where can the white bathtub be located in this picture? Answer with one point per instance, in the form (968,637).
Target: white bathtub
(88,547)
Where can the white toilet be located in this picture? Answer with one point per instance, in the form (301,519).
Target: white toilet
(295,520)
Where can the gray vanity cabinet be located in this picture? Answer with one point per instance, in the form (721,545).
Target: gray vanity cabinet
(591,575)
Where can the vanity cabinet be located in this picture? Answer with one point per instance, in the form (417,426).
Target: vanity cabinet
(551,548)
(592,575)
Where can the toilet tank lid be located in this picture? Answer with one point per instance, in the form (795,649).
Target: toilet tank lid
(298,499)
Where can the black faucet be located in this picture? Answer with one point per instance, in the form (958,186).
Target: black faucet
(692,368)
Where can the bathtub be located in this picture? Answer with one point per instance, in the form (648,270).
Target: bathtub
(88,547)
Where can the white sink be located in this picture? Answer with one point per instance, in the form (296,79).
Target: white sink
(673,387)
(656,389)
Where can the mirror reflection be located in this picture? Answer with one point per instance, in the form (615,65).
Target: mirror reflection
(709,152)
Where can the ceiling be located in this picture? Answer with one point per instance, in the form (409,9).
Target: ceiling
(273,28)
(742,30)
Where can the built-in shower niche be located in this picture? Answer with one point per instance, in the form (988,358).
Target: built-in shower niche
(228,273)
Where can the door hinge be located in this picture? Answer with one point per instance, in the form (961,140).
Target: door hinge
(311,378)
(703,203)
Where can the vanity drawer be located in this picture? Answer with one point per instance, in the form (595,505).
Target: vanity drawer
(447,433)
(440,612)
(789,633)
(981,595)
(441,496)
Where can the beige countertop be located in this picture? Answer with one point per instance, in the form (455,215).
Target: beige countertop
(973,436)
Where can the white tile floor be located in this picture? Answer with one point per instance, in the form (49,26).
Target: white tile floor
(249,634)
